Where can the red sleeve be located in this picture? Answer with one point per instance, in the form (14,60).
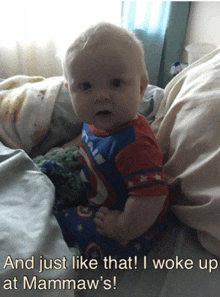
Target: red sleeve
(141,166)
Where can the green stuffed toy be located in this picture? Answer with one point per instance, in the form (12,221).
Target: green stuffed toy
(63,167)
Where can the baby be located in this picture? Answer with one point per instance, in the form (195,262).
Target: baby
(106,77)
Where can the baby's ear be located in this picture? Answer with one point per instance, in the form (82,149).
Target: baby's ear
(144,84)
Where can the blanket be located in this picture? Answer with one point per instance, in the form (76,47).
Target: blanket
(28,230)
(26,107)
(187,128)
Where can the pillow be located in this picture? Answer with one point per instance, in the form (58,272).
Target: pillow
(151,102)
(187,127)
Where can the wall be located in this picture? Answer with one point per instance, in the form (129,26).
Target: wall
(203,25)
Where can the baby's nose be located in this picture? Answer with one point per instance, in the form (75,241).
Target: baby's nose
(102,97)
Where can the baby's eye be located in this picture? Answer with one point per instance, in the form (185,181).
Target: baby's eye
(116,82)
(85,86)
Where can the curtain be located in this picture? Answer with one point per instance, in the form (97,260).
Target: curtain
(34,34)
(161,26)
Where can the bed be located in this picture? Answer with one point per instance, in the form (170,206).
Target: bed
(36,115)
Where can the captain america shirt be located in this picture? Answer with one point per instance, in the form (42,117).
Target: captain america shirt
(121,163)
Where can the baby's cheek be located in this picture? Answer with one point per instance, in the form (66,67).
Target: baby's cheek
(80,107)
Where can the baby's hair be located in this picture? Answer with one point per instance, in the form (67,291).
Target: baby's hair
(100,34)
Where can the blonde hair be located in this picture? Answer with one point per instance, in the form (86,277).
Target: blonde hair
(100,34)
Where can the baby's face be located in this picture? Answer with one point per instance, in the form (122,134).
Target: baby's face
(105,88)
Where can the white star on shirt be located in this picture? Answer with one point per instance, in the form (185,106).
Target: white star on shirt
(157,177)
(143,178)
(86,209)
(80,228)
(130,184)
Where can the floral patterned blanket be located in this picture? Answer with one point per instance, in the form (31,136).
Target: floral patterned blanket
(26,107)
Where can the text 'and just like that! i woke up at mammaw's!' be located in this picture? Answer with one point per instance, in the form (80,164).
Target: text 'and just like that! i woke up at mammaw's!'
(41,264)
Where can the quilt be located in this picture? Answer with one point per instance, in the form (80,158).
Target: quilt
(26,107)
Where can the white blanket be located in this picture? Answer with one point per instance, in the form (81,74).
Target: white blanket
(26,107)
(187,127)
(28,230)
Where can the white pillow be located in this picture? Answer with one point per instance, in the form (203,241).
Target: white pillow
(187,127)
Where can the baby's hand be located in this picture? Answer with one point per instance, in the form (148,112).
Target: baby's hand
(106,222)
(55,149)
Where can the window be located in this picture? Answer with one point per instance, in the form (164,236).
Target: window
(39,21)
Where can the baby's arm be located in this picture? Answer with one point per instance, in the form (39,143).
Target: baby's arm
(138,216)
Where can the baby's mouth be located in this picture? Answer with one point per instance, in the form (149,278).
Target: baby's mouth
(103,113)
